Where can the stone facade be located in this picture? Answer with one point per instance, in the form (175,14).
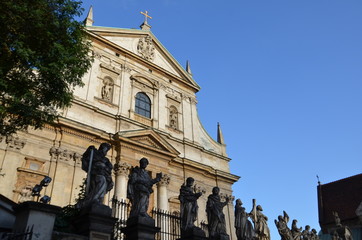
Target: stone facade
(126,62)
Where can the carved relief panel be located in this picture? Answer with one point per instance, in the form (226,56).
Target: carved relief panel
(146,49)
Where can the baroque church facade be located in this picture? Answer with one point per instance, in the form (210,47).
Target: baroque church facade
(139,99)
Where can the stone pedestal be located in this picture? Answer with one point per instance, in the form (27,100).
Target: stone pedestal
(39,216)
(195,233)
(95,220)
(220,237)
(140,228)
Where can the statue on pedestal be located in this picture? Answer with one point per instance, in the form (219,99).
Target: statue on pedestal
(139,189)
(188,208)
(260,222)
(244,228)
(99,177)
(215,215)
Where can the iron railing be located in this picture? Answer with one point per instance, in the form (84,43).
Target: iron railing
(120,210)
(169,223)
(26,235)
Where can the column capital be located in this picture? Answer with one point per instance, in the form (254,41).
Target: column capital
(224,196)
(200,188)
(122,169)
(165,180)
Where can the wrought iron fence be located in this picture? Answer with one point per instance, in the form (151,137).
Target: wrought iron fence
(120,210)
(27,235)
(170,223)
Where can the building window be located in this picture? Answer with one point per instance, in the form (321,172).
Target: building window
(107,89)
(143,105)
(173,117)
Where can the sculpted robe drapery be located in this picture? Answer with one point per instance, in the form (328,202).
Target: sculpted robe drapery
(138,191)
(260,224)
(100,173)
(244,228)
(189,206)
(215,216)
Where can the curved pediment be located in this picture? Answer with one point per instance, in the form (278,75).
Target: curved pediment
(144,80)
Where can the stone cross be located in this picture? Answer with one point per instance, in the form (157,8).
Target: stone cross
(146,16)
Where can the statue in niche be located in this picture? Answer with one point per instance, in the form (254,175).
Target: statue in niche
(107,89)
(215,215)
(296,232)
(173,117)
(188,208)
(99,177)
(262,231)
(139,189)
(244,228)
(282,226)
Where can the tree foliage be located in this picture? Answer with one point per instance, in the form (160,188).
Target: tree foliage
(43,55)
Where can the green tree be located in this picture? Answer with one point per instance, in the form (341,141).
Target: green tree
(44,53)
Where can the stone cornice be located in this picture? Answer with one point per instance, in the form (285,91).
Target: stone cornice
(205,170)
(82,131)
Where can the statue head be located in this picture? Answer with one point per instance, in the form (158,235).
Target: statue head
(104,148)
(239,202)
(280,218)
(307,227)
(143,163)
(259,208)
(190,181)
(215,191)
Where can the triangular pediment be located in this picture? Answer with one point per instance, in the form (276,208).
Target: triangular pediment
(149,139)
(146,47)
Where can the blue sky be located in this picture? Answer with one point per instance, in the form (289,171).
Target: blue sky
(283,78)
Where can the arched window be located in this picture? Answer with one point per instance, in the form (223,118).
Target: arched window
(173,117)
(107,89)
(143,105)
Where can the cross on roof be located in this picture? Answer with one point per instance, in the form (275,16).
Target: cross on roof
(146,16)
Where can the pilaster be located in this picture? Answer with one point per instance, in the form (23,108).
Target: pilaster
(162,198)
